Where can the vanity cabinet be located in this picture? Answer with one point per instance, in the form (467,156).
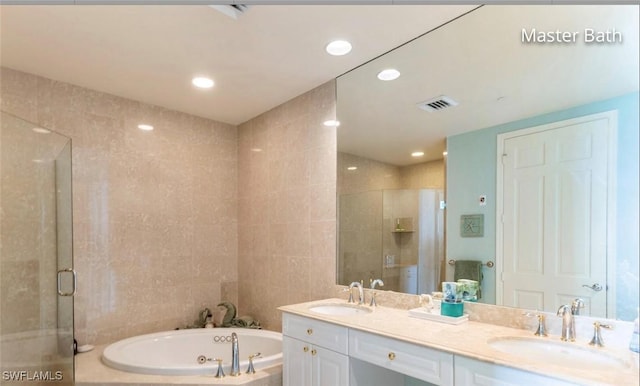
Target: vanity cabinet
(315,352)
(419,362)
(471,372)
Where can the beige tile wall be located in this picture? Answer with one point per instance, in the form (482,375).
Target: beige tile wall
(287,206)
(155,213)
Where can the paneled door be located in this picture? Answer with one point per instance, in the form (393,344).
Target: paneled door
(554,235)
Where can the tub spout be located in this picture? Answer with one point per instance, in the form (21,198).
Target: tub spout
(235,355)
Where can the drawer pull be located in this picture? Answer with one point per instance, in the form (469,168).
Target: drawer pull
(305,349)
(309,331)
(392,356)
(314,352)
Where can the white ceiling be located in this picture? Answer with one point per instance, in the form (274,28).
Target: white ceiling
(150,53)
(480,61)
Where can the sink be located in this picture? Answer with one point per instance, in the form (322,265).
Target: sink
(558,353)
(339,309)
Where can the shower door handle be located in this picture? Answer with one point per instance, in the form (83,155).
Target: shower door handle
(75,282)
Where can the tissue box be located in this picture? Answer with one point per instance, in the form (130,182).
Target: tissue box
(451,309)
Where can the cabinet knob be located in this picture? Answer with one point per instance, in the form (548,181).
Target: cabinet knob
(305,349)
(309,331)
(314,352)
(392,356)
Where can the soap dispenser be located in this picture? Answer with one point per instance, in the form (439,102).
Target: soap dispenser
(634,345)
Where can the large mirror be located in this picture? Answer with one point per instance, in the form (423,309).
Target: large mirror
(466,91)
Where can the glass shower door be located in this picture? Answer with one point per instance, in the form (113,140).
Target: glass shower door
(36,277)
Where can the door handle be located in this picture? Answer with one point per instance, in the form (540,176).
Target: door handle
(75,282)
(596,287)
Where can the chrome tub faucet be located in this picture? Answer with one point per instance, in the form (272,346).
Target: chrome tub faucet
(235,355)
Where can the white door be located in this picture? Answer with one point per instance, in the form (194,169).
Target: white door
(553,239)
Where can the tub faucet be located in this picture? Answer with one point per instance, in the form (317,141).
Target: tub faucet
(235,355)
(568,323)
(361,292)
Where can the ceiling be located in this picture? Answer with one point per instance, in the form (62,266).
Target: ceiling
(480,61)
(148,53)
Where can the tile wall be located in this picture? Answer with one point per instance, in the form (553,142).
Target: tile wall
(287,206)
(155,213)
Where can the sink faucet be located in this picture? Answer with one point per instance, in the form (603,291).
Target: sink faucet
(576,305)
(361,292)
(373,294)
(568,323)
(235,355)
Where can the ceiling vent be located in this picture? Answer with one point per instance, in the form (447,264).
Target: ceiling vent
(234,11)
(436,104)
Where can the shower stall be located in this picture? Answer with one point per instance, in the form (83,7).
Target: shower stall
(37,281)
(396,235)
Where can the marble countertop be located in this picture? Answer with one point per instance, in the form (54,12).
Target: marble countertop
(470,340)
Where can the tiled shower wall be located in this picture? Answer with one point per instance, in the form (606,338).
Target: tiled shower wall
(155,213)
(287,206)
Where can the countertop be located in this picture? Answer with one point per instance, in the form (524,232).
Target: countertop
(470,339)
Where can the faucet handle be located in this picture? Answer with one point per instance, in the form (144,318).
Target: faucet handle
(250,369)
(597,335)
(541,330)
(220,373)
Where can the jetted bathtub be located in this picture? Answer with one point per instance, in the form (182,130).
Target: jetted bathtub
(177,352)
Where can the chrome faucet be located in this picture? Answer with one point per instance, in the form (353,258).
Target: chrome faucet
(235,355)
(568,323)
(361,292)
(576,305)
(373,293)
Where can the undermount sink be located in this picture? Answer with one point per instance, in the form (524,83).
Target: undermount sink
(559,353)
(339,309)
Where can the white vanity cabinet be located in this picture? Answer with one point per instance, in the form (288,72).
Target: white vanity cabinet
(419,362)
(315,352)
(472,372)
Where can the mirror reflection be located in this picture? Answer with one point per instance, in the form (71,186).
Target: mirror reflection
(466,90)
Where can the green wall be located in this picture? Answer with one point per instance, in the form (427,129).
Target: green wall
(471,172)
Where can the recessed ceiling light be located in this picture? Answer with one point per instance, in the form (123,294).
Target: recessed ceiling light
(256,150)
(389,74)
(417,154)
(145,127)
(202,82)
(338,47)
(332,122)
(41,130)
(352,168)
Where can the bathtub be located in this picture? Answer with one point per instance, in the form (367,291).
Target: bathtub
(177,352)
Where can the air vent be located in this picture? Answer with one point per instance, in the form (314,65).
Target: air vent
(234,11)
(437,104)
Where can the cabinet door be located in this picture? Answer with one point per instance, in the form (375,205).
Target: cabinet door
(329,368)
(296,369)
(471,372)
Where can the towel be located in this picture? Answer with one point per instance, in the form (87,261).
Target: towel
(470,270)
(230,319)
(230,315)
(246,322)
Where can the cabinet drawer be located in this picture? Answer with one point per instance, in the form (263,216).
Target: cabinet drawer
(416,361)
(471,372)
(319,333)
